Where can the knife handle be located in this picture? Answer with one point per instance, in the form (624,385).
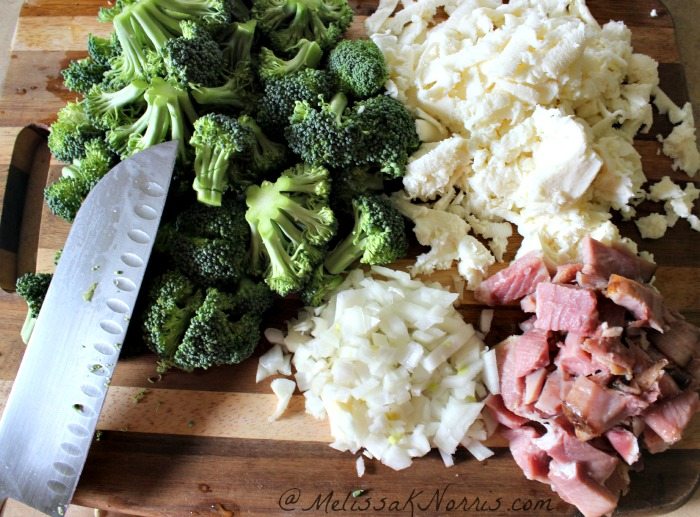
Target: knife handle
(24,180)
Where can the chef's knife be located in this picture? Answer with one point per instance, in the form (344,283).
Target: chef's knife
(55,401)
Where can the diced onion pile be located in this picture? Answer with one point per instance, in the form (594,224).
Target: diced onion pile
(394,367)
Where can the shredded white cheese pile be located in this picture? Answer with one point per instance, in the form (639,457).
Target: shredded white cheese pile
(394,367)
(528,112)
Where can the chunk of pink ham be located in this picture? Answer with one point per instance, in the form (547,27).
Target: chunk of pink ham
(572,359)
(600,261)
(645,304)
(531,351)
(680,342)
(671,416)
(512,283)
(611,354)
(512,385)
(566,273)
(653,442)
(534,382)
(593,409)
(528,303)
(532,460)
(625,443)
(501,414)
(566,308)
(553,392)
(591,498)
(517,357)
(564,447)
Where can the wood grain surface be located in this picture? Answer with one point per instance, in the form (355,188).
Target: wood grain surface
(200,443)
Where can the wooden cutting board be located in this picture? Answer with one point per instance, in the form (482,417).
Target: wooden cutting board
(200,443)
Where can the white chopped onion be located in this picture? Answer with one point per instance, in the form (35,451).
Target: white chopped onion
(394,367)
(272,362)
(485,319)
(283,390)
(360,466)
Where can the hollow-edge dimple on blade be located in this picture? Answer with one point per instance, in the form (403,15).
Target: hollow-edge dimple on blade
(55,401)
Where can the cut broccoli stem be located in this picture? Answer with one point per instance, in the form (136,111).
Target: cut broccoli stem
(337,105)
(344,254)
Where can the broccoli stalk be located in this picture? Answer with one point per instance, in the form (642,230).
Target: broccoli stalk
(216,140)
(236,93)
(285,22)
(105,108)
(32,287)
(270,67)
(290,223)
(378,236)
(169,115)
(237,42)
(144,27)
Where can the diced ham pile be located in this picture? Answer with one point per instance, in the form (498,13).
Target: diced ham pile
(603,368)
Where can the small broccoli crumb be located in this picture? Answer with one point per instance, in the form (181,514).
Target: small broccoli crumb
(359,492)
(139,396)
(78,407)
(190,423)
(87,295)
(98,435)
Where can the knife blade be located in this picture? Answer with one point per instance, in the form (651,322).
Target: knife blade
(60,387)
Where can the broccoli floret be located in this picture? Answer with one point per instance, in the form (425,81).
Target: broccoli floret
(270,66)
(359,67)
(103,50)
(236,41)
(210,244)
(326,135)
(349,183)
(285,22)
(32,287)
(280,96)
(378,236)
(106,109)
(172,301)
(169,115)
(190,327)
(82,74)
(388,132)
(194,58)
(217,139)
(65,196)
(237,93)
(70,132)
(264,155)
(290,223)
(226,327)
(143,28)
(320,286)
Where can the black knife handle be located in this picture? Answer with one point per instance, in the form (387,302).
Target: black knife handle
(22,204)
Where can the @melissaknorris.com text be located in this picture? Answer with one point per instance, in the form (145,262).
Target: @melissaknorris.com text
(416,502)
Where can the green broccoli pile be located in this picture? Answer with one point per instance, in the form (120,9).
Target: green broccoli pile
(288,145)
